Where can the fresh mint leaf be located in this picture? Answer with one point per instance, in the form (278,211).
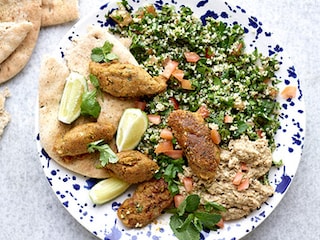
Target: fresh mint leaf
(193,201)
(197,223)
(191,233)
(208,220)
(189,204)
(106,154)
(189,218)
(212,206)
(186,224)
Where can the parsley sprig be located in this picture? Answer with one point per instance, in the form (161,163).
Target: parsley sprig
(169,168)
(103,54)
(106,154)
(189,219)
(89,104)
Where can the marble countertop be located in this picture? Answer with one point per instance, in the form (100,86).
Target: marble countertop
(30,210)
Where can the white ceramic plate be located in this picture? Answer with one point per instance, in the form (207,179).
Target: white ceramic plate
(72,189)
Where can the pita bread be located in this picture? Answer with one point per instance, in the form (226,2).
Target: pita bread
(78,56)
(4,115)
(55,12)
(11,36)
(20,11)
(51,83)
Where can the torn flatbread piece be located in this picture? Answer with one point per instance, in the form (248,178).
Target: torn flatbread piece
(78,55)
(52,80)
(4,115)
(53,74)
(11,36)
(55,12)
(20,11)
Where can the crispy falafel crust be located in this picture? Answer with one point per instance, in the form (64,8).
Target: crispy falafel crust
(146,204)
(132,167)
(194,137)
(127,80)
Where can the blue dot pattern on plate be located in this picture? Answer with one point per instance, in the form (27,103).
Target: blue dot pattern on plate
(72,189)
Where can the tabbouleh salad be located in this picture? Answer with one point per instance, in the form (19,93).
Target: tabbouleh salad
(238,88)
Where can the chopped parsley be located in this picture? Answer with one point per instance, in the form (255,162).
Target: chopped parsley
(229,81)
(169,169)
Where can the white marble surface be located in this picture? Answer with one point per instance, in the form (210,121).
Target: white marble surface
(30,210)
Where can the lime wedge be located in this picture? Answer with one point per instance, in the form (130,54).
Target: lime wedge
(132,125)
(69,109)
(107,189)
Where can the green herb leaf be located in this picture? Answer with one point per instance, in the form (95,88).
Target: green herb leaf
(186,224)
(191,233)
(97,55)
(208,220)
(89,105)
(212,206)
(193,202)
(169,168)
(189,205)
(94,80)
(277,163)
(103,54)
(106,154)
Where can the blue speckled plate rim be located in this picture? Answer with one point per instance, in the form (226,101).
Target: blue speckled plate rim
(72,189)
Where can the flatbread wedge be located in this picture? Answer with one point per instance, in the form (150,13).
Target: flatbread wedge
(53,74)
(20,11)
(11,36)
(4,115)
(54,12)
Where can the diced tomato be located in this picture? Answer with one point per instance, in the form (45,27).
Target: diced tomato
(186,84)
(228,119)
(151,9)
(140,104)
(259,132)
(188,184)
(178,199)
(178,74)
(174,103)
(192,57)
(267,80)
(155,119)
(166,134)
(175,154)
(215,136)
(244,184)
(209,53)
(237,51)
(289,92)
(220,224)
(203,111)
(244,167)
(237,178)
(169,67)
(164,147)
